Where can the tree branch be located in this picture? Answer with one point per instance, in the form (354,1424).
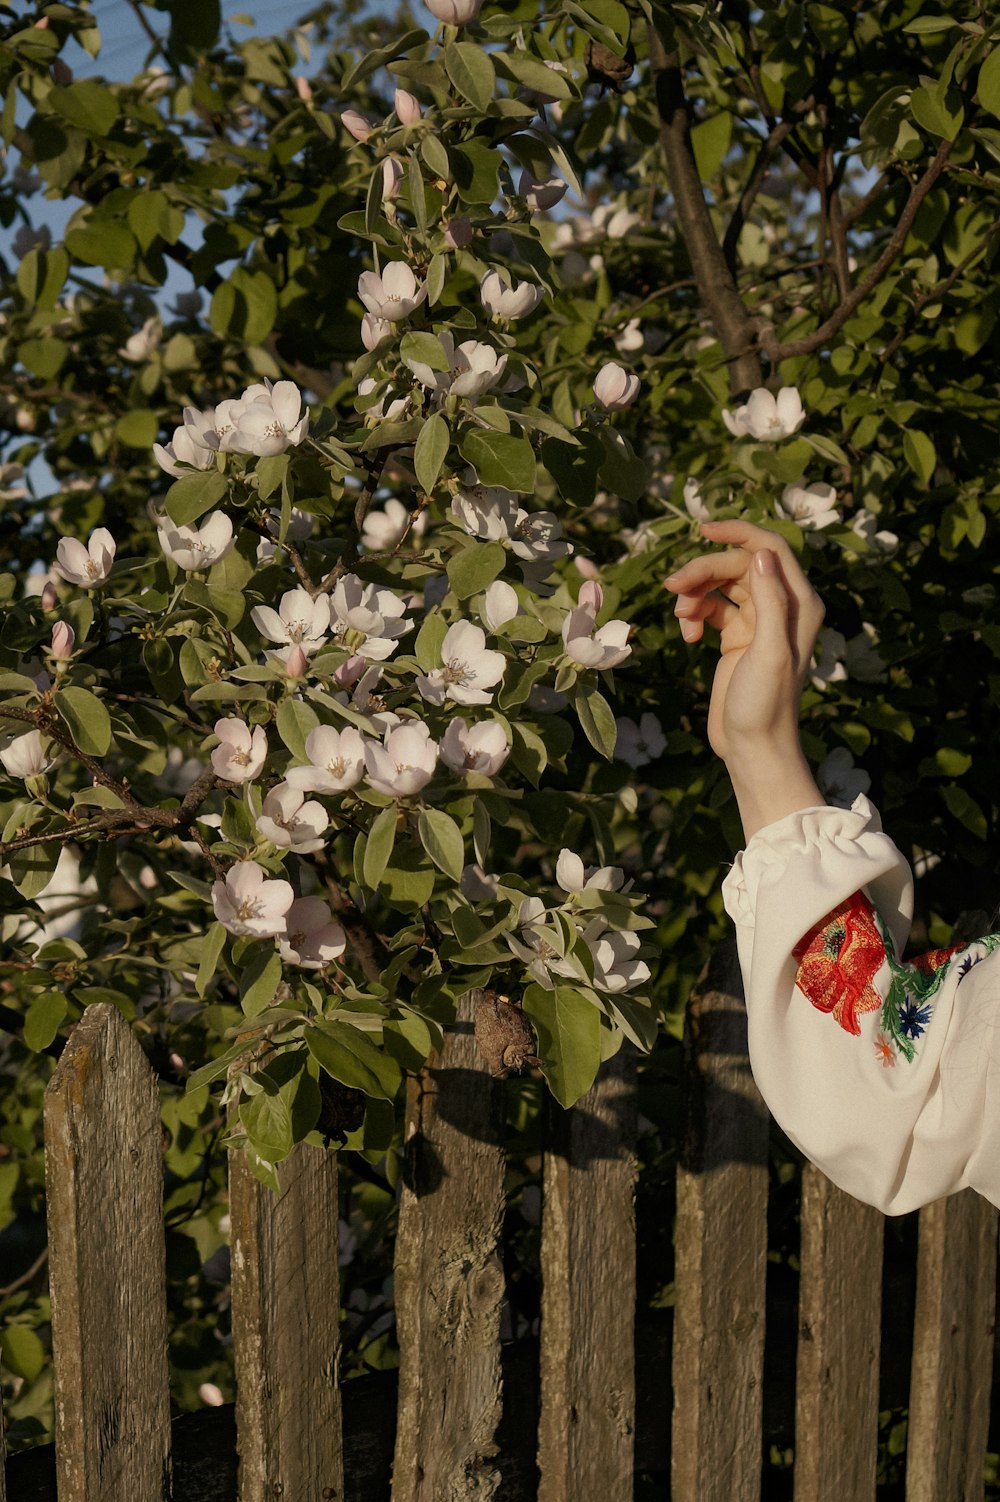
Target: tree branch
(776,351)
(936,292)
(755,182)
(716,286)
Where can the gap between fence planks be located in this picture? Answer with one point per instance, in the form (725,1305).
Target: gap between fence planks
(286,1328)
(107,1273)
(587,1426)
(952,1350)
(837,1374)
(449,1282)
(721,1247)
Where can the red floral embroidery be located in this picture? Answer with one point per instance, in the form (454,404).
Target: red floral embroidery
(838,962)
(934,959)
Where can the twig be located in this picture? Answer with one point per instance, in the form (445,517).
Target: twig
(755,182)
(26,1277)
(718,290)
(43,719)
(373,478)
(936,292)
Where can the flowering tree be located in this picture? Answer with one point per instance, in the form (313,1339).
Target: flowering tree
(376,379)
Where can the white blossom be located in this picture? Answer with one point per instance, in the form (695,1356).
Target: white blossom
(573,876)
(693,503)
(241,753)
(87,566)
(407,107)
(365,619)
(488,512)
(483,747)
(25,756)
(766,417)
(537,537)
(537,945)
(540,194)
(865,525)
(183,453)
(639,744)
(454,12)
(313,938)
(374,330)
(831,648)
(393,295)
(143,345)
(615,965)
(299,621)
(503,299)
(196,547)
(248,904)
(385,527)
(468,668)
(839,780)
(473,367)
(388,410)
(601,648)
(500,604)
(629,338)
(336,761)
(615,388)
(268,420)
(811,506)
(291,823)
(404,762)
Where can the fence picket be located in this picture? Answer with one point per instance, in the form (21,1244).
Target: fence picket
(107,1275)
(721,1247)
(449,1282)
(286,1328)
(837,1373)
(587,1423)
(952,1350)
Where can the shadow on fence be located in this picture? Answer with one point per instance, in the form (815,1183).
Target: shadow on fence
(555,1420)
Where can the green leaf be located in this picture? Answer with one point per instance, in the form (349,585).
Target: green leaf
(711,140)
(442,839)
(268,1122)
(596,720)
(409,1039)
(381,839)
(31,870)
(988,87)
(920,454)
(966,810)
(568,1029)
(500,459)
(939,111)
(137,429)
(43,1019)
(431,450)
(435,157)
(41,276)
(475,568)
(531,73)
(471,72)
(245,306)
(294,721)
(425,348)
(427,647)
(191,497)
(87,105)
(370,62)
(408,881)
(43,357)
(474,167)
(259,981)
(86,719)
(211,948)
(22,1351)
(102,242)
(351,1057)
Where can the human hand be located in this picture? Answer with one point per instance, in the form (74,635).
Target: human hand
(767,613)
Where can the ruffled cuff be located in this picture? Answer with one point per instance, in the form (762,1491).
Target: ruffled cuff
(818,857)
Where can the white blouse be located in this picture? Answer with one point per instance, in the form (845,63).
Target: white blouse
(884,1074)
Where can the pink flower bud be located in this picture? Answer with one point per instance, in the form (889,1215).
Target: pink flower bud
(50,598)
(349,672)
(616,388)
(458,234)
(392,177)
(63,637)
(296,663)
(356,124)
(591,594)
(303,88)
(407,108)
(42,24)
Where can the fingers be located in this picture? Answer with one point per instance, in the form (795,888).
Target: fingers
(771,605)
(693,611)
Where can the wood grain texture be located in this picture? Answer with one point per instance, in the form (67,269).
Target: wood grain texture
(449,1279)
(286,1329)
(837,1371)
(586,1431)
(104,1193)
(721,1251)
(952,1350)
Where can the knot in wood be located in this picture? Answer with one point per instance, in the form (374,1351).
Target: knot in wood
(504,1036)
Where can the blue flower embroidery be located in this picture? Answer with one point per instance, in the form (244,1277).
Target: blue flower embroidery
(913,1018)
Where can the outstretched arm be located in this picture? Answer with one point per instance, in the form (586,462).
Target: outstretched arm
(767,615)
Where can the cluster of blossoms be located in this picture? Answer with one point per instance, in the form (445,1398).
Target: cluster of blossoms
(267,419)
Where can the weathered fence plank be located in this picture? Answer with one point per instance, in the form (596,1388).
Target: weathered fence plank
(837,1373)
(107,1276)
(952,1350)
(449,1282)
(286,1328)
(587,1424)
(721,1250)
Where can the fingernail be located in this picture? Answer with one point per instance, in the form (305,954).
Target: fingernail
(763,561)
(689,630)
(667,581)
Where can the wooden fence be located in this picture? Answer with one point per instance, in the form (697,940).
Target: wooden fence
(475,1420)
